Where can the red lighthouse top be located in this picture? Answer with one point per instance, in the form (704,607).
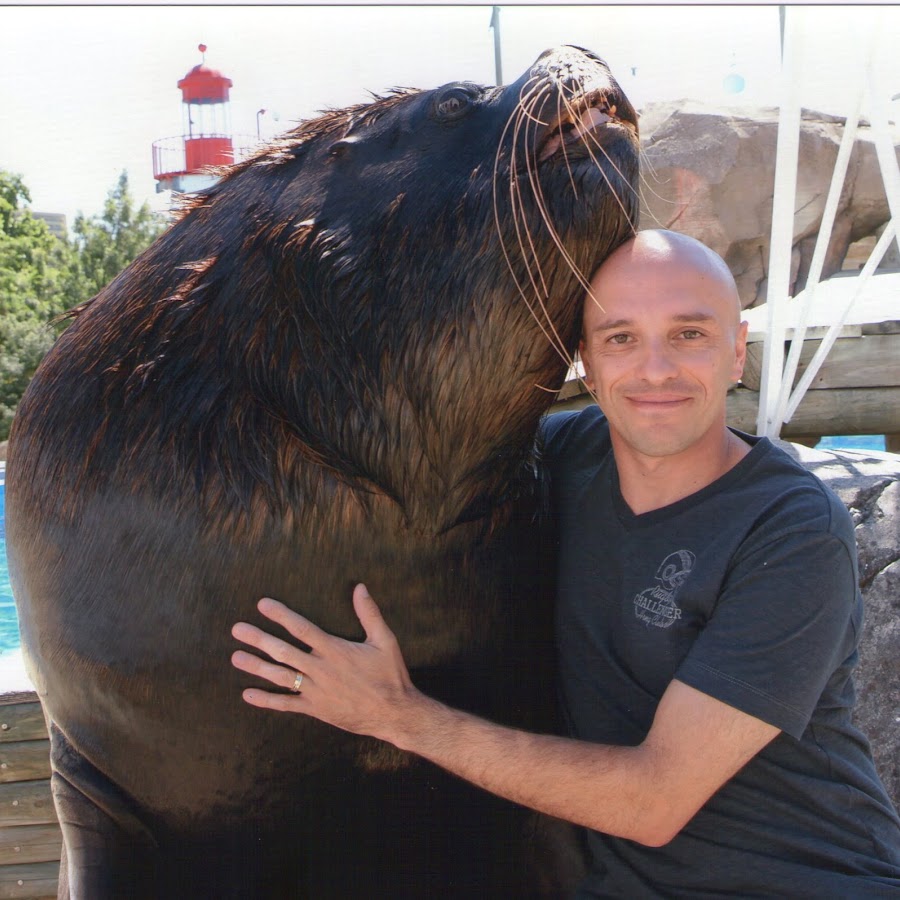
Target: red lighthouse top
(204,85)
(188,161)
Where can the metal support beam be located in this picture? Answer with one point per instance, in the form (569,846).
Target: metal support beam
(781,242)
(777,403)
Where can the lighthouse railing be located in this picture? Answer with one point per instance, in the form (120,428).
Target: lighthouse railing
(170,153)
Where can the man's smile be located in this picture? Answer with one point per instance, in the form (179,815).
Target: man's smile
(657,402)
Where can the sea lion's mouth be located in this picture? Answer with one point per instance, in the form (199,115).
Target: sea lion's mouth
(585,117)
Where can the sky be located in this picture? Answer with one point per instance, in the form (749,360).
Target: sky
(85,90)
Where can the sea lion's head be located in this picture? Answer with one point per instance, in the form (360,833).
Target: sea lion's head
(384,297)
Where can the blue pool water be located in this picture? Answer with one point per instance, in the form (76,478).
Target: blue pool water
(9,626)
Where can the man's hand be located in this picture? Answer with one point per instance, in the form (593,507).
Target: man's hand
(644,793)
(359,687)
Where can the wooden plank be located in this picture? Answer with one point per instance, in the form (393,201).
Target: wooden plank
(838,411)
(33,881)
(881,327)
(22,722)
(27,803)
(29,844)
(877,303)
(24,760)
(26,696)
(867,361)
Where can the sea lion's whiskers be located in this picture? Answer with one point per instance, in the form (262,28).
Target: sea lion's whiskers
(514,117)
(606,177)
(609,183)
(589,135)
(542,206)
(646,164)
(515,200)
(532,100)
(535,187)
(521,224)
(645,208)
(526,94)
(559,101)
(531,170)
(647,167)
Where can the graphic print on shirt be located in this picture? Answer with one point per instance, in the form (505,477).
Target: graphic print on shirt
(656,605)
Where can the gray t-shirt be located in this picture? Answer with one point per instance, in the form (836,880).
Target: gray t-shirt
(747,591)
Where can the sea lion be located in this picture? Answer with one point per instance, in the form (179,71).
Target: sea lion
(330,368)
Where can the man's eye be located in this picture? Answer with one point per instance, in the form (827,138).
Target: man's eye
(619,339)
(691,334)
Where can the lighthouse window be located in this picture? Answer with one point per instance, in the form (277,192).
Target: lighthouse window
(206,119)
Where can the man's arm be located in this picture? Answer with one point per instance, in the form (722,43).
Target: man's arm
(645,793)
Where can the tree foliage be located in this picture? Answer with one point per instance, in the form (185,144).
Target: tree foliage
(41,276)
(108,243)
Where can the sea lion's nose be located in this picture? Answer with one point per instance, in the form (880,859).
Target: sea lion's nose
(588,53)
(566,59)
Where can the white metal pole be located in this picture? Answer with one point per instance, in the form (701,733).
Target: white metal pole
(884,144)
(782,235)
(818,261)
(495,25)
(834,328)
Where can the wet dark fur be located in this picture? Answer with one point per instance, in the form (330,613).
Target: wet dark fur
(322,373)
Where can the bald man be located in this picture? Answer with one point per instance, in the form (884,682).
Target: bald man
(707,621)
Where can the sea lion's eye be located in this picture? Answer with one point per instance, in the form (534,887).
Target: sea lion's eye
(339,148)
(452,104)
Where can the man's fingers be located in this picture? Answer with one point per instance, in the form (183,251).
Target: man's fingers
(283,677)
(369,615)
(292,622)
(280,702)
(279,650)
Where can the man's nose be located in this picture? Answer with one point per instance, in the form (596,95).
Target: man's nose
(657,363)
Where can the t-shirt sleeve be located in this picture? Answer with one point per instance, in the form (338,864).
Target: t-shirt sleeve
(787,618)
(552,432)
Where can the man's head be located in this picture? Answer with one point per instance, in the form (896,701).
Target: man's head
(662,342)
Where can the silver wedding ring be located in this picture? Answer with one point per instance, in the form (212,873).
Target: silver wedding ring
(295,687)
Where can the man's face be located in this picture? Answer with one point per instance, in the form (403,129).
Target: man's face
(662,352)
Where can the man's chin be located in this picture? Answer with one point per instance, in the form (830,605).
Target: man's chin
(658,442)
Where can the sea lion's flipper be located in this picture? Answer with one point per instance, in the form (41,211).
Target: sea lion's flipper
(110,853)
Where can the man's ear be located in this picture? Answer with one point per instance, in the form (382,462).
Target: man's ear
(740,351)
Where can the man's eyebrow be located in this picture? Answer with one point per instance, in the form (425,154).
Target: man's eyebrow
(694,317)
(615,323)
(699,316)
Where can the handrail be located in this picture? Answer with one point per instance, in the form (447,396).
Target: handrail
(169,153)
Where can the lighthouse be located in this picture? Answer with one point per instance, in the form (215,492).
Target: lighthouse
(182,163)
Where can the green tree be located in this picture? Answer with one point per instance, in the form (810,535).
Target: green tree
(42,276)
(36,269)
(108,243)
(39,278)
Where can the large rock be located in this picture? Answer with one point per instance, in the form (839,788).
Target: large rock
(710,173)
(869,485)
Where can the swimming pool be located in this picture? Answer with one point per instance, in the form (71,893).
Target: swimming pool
(9,624)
